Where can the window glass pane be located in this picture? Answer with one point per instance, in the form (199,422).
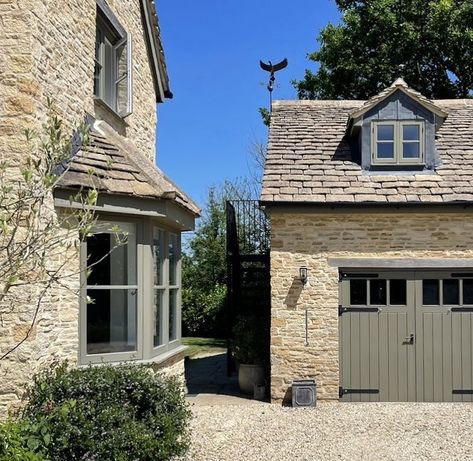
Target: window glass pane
(98,62)
(451,291)
(430,292)
(358,292)
(122,81)
(158,317)
(397,292)
(386,150)
(468,291)
(410,132)
(111,321)
(158,255)
(410,150)
(378,292)
(110,261)
(108,74)
(385,132)
(173,257)
(172,314)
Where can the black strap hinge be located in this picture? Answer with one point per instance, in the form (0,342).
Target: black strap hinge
(342,391)
(343,309)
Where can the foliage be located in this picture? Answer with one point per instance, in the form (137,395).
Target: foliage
(265,115)
(115,413)
(249,334)
(22,441)
(427,42)
(204,264)
(32,234)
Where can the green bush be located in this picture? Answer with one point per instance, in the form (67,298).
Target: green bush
(115,413)
(203,312)
(21,441)
(249,340)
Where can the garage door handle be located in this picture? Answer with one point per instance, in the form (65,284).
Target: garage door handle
(409,339)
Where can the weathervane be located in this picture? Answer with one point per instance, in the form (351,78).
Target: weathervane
(272,69)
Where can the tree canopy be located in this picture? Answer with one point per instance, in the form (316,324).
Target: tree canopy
(427,42)
(204,268)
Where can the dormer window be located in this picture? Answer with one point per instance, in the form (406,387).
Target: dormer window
(112,75)
(398,142)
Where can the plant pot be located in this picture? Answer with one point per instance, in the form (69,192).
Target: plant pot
(248,376)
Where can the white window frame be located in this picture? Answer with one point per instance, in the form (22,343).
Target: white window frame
(398,143)
(107,22)
(145,287)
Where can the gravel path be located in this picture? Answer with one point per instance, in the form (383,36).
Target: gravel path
(348,431)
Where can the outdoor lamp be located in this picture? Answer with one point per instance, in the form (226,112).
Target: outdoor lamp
(303,274)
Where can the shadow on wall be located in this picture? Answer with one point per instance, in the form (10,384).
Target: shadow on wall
(294,293)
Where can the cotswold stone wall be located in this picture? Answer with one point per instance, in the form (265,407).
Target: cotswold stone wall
(311,239)
(47,49)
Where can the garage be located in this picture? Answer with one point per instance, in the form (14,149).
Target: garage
(406,335)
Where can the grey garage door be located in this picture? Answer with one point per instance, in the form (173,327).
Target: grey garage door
(406,336)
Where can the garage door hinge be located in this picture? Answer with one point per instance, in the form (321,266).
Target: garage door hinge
(342,309)
(342,391)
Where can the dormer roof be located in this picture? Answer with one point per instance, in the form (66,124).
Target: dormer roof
(398,85)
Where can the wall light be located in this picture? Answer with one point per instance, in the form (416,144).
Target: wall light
(303,274)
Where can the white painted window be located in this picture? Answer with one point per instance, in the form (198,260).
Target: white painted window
(113,63)
(398,142)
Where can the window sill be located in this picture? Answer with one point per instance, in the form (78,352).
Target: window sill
(157,360)
(102,105)
(161,358)
(399,170)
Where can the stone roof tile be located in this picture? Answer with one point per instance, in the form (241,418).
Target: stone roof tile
(115,169)
(308,144)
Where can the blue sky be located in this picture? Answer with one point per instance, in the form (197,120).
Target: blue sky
(212,51)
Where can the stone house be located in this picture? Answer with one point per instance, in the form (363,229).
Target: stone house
(102,60)
(372,247)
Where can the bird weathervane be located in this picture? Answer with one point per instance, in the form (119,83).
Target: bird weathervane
(272,69)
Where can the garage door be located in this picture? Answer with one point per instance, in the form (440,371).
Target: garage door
(406,336)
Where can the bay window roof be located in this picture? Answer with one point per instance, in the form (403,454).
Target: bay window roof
(114,167)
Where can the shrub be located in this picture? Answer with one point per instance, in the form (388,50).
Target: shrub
(249,340)
(21,441)
(115,413)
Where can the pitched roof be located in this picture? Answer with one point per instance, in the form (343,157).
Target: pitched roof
(158,62)
(119,169)
(309,158)
(400,85)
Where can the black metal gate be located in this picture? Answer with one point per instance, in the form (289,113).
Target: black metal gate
(248,268)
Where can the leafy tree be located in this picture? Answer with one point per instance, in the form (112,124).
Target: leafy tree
(427,42)
(35,240)
(204,263)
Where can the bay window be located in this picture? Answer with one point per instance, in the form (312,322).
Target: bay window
(130,296)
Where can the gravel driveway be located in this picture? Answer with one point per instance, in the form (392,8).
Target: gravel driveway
(348,431)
